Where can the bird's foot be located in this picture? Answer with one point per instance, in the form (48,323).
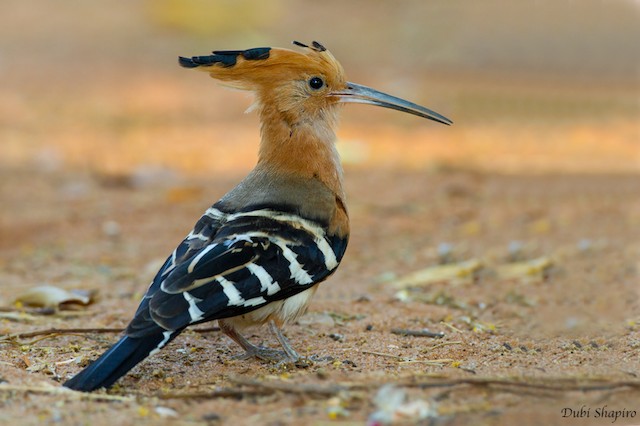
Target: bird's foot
(280,359)
(265,354)
(287,355)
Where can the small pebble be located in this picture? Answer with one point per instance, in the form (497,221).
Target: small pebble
(363,298)
(337,337)
(515,250)
(111,228)
(322,374)
(585,244)
(211,417)
(445,252)
(166,412)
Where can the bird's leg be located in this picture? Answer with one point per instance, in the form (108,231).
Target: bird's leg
(288,349)
(251,350)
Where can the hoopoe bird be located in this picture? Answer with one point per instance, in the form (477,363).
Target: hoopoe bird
(258,254)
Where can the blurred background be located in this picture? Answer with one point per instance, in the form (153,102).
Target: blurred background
(533,87)
(109,152)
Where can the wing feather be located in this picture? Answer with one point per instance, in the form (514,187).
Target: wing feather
(246,263)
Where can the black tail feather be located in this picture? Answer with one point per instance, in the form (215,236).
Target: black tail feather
(115,363)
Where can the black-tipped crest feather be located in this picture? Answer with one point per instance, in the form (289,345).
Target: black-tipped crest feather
(314,46)
(226,58)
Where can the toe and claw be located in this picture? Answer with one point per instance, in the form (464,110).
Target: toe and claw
(287,355)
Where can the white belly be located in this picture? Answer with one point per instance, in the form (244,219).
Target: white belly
(280,311)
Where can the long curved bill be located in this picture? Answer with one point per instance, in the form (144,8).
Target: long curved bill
(356,93)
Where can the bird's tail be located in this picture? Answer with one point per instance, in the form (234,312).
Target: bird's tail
(117,361)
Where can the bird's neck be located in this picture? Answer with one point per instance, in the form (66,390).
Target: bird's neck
(298,166)
(302,148)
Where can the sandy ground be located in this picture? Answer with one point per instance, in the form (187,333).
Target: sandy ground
(553,301)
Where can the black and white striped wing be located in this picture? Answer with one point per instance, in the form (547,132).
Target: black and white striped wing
(200,237)
(255,258)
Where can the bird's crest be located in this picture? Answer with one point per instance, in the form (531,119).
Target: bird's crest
(262,67)
(225,58)
(314,45)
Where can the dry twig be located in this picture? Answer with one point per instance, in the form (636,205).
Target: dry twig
(439,345)
(498,384)
(382,354)
(53,332)
(418,333)
(295,388)
(60,391)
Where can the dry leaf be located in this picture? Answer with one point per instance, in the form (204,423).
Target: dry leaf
(526,269)
(440,273)
(50,296)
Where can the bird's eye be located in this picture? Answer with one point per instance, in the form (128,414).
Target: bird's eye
(316,83)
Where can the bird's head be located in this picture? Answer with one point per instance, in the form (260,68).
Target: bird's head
(299,86)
